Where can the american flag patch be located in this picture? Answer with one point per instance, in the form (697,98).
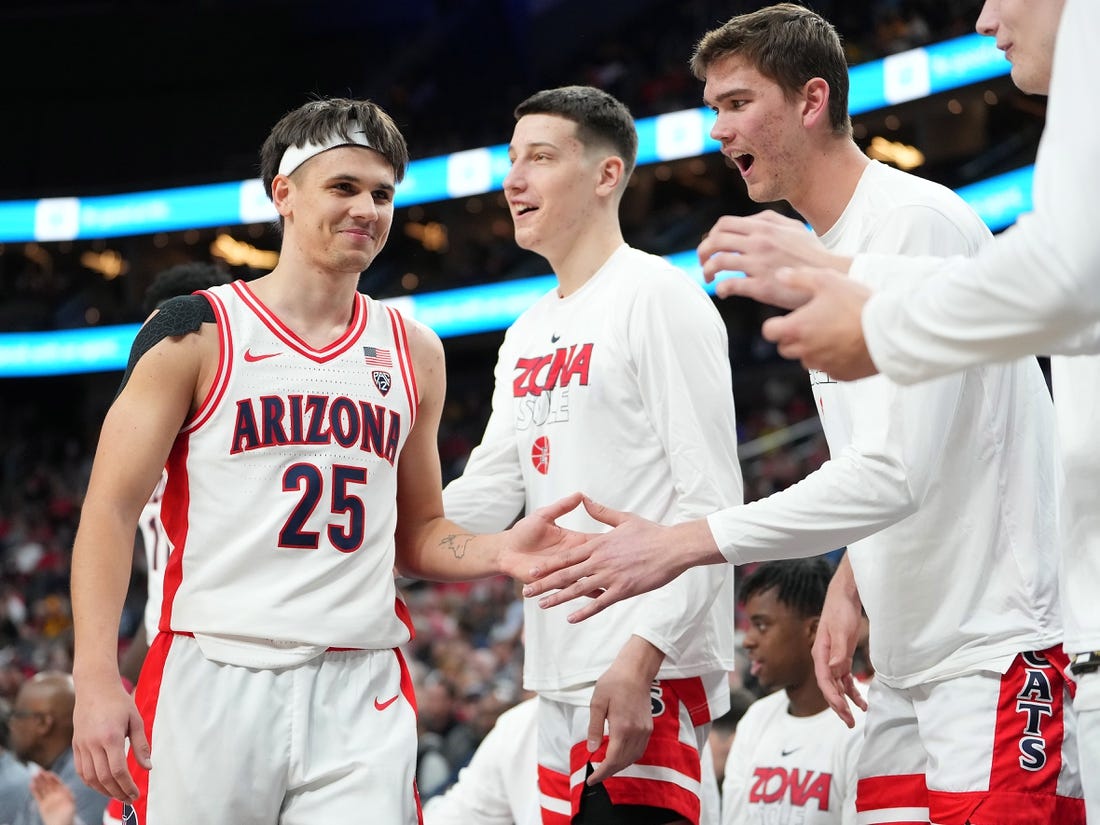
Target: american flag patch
(377,356)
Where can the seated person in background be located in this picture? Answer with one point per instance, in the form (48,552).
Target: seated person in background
(14,776)
(792,759)
(42,732)
(55,800)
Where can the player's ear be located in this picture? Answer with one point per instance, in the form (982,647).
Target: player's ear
(811,627)
(281,189)
(610,174)
(815,100)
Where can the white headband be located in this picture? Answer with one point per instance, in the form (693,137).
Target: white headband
(295,156)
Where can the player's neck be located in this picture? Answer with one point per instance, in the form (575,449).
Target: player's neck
(581,258)
(831,179)
(317,308)
(806,699)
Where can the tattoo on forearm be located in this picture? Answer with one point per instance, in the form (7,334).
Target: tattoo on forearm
(457,542)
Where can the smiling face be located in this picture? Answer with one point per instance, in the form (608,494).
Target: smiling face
(778,641)
(552,187)
(338,208)
(760,129)
(1025,30)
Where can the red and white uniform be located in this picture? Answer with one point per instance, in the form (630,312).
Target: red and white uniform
(280,506)
(945,493)
(1036,290)
(791,770)
(294,456)
(622,390)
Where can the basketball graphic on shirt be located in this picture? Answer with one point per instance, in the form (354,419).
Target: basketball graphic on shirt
(540,454)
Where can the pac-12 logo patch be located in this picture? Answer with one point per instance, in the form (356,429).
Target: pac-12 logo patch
(129,815)
(540,454)
(382,380)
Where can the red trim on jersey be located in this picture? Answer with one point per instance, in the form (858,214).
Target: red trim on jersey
(225,367)
(556,786)
(404,360)
(879,793)
(146,697)
(174,507)
(346,341)
(402,611)
(409,692)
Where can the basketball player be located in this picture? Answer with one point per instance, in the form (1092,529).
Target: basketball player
(792,760)
(616,382)
(1036,289)
(297,423)
(935,489)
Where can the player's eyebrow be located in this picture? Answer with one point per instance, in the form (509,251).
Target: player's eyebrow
(727,94)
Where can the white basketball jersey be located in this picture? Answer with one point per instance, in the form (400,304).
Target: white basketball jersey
(280,504)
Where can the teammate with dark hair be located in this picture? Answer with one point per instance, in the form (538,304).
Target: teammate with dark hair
(792,759)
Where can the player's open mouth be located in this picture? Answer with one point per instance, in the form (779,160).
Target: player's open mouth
(743,163)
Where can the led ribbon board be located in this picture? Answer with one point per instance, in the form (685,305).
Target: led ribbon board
(999,201)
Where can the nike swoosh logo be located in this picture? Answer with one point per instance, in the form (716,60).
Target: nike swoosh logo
(248,356)
(554,339)
(383,705)
(788,752)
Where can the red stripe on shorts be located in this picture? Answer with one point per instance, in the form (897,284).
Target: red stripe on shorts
(881,793)
(556,786)
(409,692)
(1027,742)
(146,696)
(691,692)
(1005,808)
(665,750)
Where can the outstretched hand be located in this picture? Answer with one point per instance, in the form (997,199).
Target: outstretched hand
(537,536)
(636,556)
(825,333)
(759,246)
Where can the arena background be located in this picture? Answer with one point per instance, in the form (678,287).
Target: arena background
(110,97)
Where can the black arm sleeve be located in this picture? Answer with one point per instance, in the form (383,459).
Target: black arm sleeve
(177,316)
